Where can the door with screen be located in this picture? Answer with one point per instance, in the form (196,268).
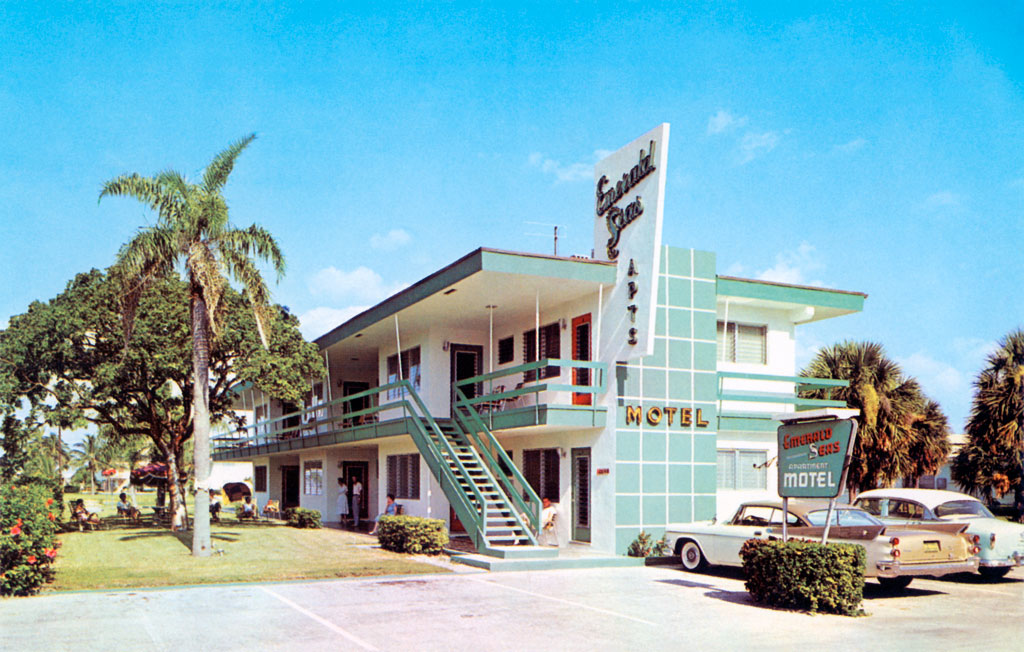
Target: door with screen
(581,494)
(581,351)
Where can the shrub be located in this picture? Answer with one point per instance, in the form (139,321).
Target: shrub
(412,534)
(642,546)
(805,575)
(28,541)
(301,517)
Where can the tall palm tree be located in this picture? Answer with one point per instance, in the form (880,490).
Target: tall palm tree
(193,230)
(56,447)
(991,461)
(889,403)
(90,453)
(929,443)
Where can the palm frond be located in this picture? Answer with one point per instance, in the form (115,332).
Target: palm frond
(219,169)
(245,272)
(255,240)
(149,191)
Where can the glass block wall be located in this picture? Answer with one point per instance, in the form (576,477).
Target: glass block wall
(665,429)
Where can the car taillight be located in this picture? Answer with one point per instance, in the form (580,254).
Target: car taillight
(895,541)
(992,540)
(896,552)
(976,539)
(975,550)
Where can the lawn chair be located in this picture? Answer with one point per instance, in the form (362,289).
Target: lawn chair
(272,509)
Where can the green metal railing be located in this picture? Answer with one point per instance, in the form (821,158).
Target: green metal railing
(800,384)
(479,433)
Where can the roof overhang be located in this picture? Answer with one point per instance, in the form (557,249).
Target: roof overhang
(804,303)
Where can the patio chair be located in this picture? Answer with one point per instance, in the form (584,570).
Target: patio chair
(272,509)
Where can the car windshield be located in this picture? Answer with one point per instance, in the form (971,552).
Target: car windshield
(963,508)
(842,517)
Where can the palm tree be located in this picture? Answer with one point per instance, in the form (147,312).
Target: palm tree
(929,443)
(55,446)
(90,454)
(889,403)
(991,460)
(193,229)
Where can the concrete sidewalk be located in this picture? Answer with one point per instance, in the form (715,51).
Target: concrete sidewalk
(645,608)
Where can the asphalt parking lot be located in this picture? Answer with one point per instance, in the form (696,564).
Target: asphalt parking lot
(653,608)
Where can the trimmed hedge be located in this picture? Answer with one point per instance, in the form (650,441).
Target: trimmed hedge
(412,534)
(805,575)
(301,517)
(28,538)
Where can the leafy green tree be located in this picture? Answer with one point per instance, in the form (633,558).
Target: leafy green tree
(193,229)
(991,461)
(900,432)
(91,454)
(67,358)
(16,446)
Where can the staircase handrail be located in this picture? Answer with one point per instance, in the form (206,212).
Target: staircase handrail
(492,467)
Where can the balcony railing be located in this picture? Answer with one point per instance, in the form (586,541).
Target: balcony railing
(767,389)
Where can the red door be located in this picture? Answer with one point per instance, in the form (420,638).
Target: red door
(581,351)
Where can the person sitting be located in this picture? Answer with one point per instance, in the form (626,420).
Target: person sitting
(127,509)
(390,510)
(248,509)
(214,508)
(82,516)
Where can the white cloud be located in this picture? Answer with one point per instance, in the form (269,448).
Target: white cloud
(936,375)
(724,120)
(582,171)
(795,266)
(321,320)
(972,352)
(852,146)
(361,284)
(756,144)
(393,239)
(942,199)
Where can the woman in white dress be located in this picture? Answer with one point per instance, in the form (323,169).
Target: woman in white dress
(342,502)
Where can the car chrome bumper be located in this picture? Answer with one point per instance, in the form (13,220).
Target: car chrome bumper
(1016,560)
(895,569)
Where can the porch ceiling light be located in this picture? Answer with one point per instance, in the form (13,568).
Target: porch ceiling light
(450,290)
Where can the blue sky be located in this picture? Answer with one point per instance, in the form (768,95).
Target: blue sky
(860,147)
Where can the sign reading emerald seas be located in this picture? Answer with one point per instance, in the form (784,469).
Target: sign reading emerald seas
(814,457)
(629,189)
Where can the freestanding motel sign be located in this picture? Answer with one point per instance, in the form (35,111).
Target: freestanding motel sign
(815,448)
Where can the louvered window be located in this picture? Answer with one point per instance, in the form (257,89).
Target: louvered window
(506,350)
(540,468)
(743,343)
(260,478)
(550,346)
(742,469)
(404,476)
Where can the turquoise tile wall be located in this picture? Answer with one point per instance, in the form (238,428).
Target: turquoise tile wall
(665,472)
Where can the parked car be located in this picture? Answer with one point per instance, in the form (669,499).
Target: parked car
(1001,542)
(895,554)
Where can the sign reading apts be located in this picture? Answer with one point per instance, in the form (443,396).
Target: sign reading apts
(629,189)
(814,457)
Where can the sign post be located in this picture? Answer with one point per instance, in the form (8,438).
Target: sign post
(815,449)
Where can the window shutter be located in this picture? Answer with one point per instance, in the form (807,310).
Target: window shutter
(750,344)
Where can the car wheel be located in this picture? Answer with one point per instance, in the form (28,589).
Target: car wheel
(894,583)
(692,557)
(991,573)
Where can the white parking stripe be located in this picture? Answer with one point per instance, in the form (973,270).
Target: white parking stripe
(569,602)
(326,623)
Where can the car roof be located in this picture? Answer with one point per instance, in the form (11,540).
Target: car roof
(799,506)
(928,497)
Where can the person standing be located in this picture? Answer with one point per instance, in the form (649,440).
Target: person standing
(357,499)
(342,508)
(548,517)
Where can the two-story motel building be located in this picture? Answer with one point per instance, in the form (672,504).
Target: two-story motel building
(633,389)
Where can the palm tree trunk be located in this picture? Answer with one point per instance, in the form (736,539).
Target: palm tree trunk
(201,423)
(173,487)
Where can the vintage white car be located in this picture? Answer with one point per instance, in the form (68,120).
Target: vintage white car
(895,554)
(1001,542)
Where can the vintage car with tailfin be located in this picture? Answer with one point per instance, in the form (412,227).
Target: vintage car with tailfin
(1001,542)
(895,553)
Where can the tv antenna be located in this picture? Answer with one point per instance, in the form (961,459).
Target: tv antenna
(544,235)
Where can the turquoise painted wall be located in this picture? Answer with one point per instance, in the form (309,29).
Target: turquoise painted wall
(666,473)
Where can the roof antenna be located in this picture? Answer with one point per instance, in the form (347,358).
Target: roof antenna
(544,235)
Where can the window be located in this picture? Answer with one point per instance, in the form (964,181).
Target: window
(741,469)
(506,350)
(550,347)
(931,482)
(742,343)
(261,414)
(260,479)
(404,476)
(313,477)
(540,468)
(410,368)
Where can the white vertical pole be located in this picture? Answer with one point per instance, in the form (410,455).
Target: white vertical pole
(536,337)
(327,366)
(600,319)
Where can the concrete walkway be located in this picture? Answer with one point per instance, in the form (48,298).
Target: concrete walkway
(641,608)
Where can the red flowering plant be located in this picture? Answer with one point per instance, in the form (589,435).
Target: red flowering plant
(28,539)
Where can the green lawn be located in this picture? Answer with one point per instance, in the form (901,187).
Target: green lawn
(127,557)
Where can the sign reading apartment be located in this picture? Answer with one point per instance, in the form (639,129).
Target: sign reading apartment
(629,198)
(814,457)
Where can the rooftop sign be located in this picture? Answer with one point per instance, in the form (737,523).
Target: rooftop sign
(629,198)
(814,457)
